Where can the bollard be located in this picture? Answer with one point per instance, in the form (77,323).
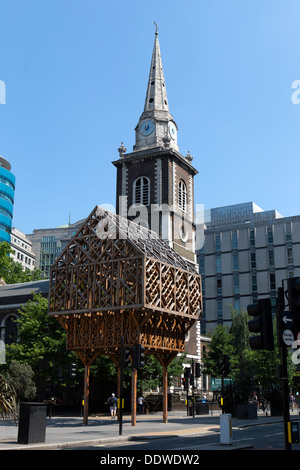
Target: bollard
(225,429)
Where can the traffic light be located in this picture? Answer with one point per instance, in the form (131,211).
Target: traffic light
(72,370)
(294,302)
(126,359)
(262,324)
(198,369)
(192,379)
(138,356)
(224,365)
(186,380)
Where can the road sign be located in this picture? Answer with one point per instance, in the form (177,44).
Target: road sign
(288,337)
(287,319)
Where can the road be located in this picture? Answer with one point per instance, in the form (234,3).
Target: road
(267,437)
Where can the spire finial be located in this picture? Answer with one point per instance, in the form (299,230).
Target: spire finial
(156,28)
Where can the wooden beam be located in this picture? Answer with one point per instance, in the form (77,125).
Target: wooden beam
(133,396)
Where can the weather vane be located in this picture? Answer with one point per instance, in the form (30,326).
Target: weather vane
(156,28)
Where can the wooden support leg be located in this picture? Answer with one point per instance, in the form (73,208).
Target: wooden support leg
(86,393)
(165,393)
(133,396)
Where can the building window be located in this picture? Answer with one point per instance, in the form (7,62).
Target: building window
(219,286)
(235,262)
(288,232)
(253,260)
(141,191)
(252,237)
(271,259)
(272,281)
(234,240)
(254,284)
(218,264)
(237,304)
(202,265)
(236,285)
(290,256)
(11,330)
(270,235)
(220,309)
(182,196)
(218,242)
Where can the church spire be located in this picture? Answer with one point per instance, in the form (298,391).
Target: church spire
(156,126)
(156,96)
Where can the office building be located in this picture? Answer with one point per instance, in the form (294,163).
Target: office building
(48,243)
(22,247)
(7,191)
(246,254)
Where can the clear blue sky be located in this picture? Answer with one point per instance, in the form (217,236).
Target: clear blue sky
(76,73)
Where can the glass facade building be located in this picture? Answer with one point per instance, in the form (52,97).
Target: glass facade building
(7,192)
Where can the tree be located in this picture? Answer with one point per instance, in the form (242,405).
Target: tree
(151,375)
(11,271)
(41,343)
(250,370)
(20,377)
(221,343)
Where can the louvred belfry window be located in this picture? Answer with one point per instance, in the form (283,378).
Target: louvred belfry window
(141,191)
(182,196)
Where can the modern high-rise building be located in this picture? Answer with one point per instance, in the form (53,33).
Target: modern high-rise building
(7,191)
(246,254)
(48,243)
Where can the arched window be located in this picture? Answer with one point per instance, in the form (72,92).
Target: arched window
(182,196)
(11,330)
(141,191)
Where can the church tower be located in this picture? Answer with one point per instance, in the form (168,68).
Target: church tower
(155,184)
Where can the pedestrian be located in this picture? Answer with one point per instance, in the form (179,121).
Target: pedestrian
(292,400)
(141,402)
(112,401)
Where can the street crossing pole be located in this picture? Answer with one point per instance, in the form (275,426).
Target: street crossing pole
(283,368)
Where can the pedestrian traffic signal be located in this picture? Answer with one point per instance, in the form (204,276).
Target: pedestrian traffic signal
(262,325)
(294,301)
(138,356)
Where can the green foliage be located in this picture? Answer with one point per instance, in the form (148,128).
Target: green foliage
(20,377)
(12,271)
(8,405)
(250,370)
(151,375)
(41,342)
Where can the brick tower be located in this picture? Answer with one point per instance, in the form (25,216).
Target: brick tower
(155,184)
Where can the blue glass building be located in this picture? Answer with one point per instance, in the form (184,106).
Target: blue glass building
(7,192)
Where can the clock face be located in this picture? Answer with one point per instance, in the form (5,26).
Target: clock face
(147,127)
(172,130)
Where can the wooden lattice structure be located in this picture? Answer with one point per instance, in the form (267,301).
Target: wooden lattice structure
(116,278)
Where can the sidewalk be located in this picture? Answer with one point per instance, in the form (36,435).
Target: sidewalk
(69,432)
